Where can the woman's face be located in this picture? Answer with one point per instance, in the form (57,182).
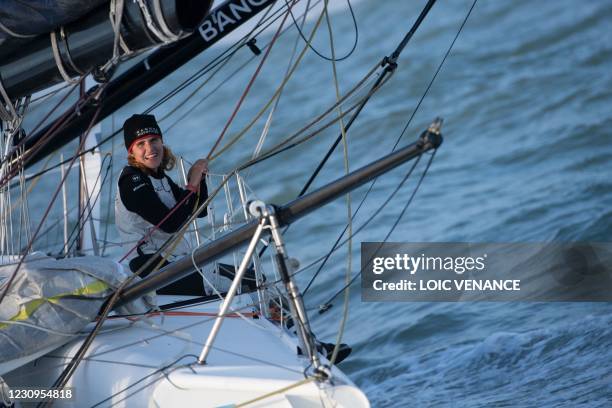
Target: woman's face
(149,152)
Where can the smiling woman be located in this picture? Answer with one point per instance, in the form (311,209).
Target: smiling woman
(148,152)
(150,206)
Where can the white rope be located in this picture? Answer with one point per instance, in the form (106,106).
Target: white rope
(10,114)
(115,16)
(58,60)
(268,123)
(151,26)
(13,126)
(24,214)
(159,15)
(5,115)
(64,36)
(14,34)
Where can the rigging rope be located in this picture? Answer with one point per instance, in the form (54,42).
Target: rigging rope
(58,60)
(48,209)
(162,33)
(219,66)
(115,16)
(435,75)
(71,367)
(223,57)
(272,98)
(88,207)
(275,16)
(170,242)
(61,122)
(285,144)
(268,123)
(303,129)
(389,68)
(49,94)
(338,119)
(348,195)
(250,84)
(326,305)
(276,392)
(337,245)
(58,124)
(163,258)
(108,204)
(333,57)
(35,179)
(9,114)
(415,110)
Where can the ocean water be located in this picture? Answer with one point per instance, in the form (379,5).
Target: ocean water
(525,94)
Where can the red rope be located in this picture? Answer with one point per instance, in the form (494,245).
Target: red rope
(188,313)
(156,227)
(230,120)
(251,81)
(48,209)
(45,138)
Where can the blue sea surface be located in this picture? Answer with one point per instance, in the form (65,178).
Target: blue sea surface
(526,97)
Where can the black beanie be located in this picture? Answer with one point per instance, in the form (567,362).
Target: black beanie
(138,126)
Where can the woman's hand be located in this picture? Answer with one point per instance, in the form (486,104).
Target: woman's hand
(196,172)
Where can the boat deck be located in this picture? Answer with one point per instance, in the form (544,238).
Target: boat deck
(152,362)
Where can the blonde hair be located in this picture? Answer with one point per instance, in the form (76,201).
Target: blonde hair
(167,163)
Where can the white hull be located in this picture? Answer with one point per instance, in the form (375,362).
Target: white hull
(142,364)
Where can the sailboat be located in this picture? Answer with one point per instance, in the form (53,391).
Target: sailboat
(77,327)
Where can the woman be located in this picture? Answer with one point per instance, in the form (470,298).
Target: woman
(146,196)
(146,200)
